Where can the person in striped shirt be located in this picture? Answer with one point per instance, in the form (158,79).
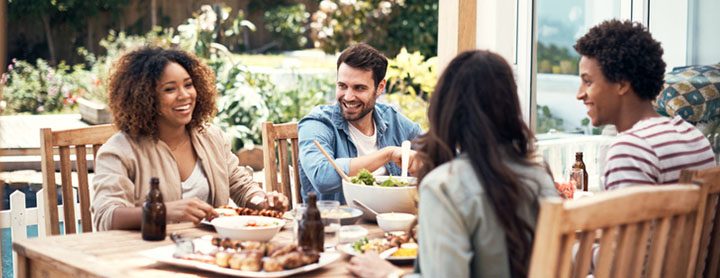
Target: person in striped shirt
(622,71)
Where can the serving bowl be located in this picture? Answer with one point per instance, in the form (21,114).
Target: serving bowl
(246,227)
(390,222)
(382,199)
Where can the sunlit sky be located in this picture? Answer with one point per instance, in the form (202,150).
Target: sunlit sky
(560,21)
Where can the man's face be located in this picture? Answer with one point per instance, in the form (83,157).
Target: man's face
(600,96)
(355,92)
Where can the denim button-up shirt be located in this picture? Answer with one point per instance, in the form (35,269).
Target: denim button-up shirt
(326,125)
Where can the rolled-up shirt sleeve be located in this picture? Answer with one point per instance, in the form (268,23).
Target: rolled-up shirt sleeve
(112,185)
(242,185)
(318,169)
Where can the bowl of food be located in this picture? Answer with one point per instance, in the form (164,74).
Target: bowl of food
(382,193)
(393,221)
(246,227)
(347,215)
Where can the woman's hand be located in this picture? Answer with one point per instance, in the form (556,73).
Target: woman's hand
(270,200)
(185,210)
(371,265)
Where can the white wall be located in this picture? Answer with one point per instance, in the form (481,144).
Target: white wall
(703,32)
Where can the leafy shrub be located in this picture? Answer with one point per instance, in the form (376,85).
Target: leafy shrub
(37,88)
(410,81)
(386,24)
(340,23)
(289,25)
(546,122)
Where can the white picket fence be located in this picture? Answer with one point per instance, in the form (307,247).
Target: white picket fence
(19,217)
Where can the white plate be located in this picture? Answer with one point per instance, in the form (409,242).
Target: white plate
(165,254)
(348,249)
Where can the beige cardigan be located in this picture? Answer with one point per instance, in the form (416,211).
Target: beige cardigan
(123,169)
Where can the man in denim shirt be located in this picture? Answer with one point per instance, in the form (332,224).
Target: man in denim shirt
(356,131)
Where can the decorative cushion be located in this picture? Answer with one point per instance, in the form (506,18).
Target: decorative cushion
(691,92)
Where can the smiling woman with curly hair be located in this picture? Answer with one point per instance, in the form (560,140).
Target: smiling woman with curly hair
(133,84)
(162,102)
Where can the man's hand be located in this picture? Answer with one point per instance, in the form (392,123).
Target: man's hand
(413,164)
(193,210)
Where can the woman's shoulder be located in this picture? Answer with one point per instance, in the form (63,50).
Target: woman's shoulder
(118,141)
(453,176)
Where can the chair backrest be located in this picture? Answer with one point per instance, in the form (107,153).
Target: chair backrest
(64,140)
(648,230)
(277,136)
(708,256)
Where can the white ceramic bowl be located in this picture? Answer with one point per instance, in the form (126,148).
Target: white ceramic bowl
(393,221)
(236,227)
(382,199)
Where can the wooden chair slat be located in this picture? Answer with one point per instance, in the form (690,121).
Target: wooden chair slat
(275,154)
(50,188)
(639,261)
(584,254)
(606,253)
(565,266)
(269,159)
(296,167)
(626,247)
(83,188)
(284,168)
(67,190)
(658,247)
(71,137)
(607,214)
(713,258)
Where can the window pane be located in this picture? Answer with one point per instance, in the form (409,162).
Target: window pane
(560,23)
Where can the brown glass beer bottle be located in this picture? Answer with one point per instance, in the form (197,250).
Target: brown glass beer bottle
(153,213)
(311,231)
(579,164)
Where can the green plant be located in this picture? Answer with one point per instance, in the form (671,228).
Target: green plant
(386,24)
(289,24)
(210,30)
(585,122)
(410,81)
(340,23)
(37,88)
(413,25)
(546,122)
(557,60)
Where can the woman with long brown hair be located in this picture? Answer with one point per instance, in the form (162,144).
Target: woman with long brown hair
(481,179)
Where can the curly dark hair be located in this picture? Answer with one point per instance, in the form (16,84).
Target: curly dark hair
(133,85)
(626,51)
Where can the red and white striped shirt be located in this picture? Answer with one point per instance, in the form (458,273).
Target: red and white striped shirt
(654,151)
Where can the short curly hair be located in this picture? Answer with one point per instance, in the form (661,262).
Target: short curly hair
(133,97)
(626,51)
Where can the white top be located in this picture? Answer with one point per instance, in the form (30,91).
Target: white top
(654,151)
(196,185)
(366,145)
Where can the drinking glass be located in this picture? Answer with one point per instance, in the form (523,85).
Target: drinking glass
(329,211)
(298,212)
(577,178)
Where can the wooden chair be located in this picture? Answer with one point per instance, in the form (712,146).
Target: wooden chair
(64,140)
(642,231)
(708,256)
(277,136)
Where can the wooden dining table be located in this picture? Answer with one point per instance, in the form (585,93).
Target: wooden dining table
(116,254)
